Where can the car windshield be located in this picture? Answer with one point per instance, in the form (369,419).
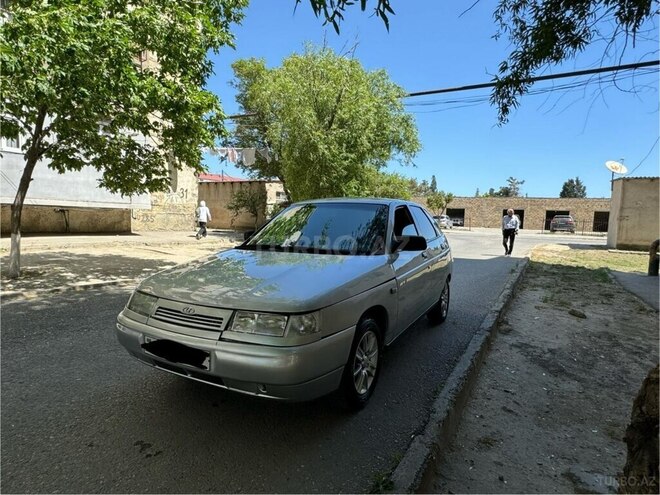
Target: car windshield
(325,228)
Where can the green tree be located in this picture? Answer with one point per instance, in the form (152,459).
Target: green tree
(439,201)
(434,184)
(573,188)
(379,184)
(513,186)
(74,87)
(328,122)
(541,33)
(476,194)
(419,189)
(249,199)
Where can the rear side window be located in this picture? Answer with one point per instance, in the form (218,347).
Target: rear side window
(424,225)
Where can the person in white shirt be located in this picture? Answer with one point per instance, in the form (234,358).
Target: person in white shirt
(510,226)
(203,216)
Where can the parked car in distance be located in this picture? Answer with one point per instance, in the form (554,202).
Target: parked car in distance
(562,222)
(303,307)
(458,221)
(444,221)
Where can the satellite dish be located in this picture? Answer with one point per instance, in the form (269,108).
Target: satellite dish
(616,167)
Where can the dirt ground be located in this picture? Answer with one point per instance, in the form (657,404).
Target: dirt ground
(550,407)
(44,269)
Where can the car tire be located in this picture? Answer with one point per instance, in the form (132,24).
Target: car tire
(363,366)
(438,313)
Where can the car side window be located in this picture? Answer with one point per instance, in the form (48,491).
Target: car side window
(435,225)
(424,225)
(403,220)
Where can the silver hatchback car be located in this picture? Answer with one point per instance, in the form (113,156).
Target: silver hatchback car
(300,309)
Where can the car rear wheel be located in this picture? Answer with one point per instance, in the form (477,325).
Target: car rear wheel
(438,313)
(363,366)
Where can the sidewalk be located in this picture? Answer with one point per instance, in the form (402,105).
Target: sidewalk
(549,408)
(77,262)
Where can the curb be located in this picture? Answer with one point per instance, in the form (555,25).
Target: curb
(13,295)
(415,471)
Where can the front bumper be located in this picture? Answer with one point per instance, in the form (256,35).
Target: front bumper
(297,373)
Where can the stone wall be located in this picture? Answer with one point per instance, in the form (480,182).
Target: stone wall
(52,219)
(219,194)
(635,218)
(172,210)
(488,212)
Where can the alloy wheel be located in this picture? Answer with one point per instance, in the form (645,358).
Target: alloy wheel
(365,363)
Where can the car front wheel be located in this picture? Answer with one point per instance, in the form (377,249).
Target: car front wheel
(363,366)
(438,313)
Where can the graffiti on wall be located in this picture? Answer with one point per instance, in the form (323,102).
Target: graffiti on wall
(176,197)
(143,216)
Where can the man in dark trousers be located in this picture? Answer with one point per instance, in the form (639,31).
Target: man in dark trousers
(510,226)
(203,215)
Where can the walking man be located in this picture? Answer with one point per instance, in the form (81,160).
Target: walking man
(510,226)
(203,216)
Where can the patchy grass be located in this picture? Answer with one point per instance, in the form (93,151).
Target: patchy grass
(381,483)
(565,271)
(592,258)
(487,442)
(555,299)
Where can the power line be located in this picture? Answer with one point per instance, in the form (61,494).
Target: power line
(612,68)
(644,159)
(459,102)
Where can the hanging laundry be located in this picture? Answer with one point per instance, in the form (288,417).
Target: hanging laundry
(249,156)
(263,153)
(221,152)
(232,155)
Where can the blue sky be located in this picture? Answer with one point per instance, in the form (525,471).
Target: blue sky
(552,137)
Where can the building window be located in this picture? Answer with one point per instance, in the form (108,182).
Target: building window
(12,142)
(280,196)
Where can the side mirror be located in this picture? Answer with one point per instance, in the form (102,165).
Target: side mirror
(409,243)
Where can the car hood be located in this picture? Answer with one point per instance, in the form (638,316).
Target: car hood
(269,281)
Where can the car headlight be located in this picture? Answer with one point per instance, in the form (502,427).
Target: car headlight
(304,324)
(259,323)
(142,303)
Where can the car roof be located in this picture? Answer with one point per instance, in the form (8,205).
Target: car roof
(562,216)
(373,201)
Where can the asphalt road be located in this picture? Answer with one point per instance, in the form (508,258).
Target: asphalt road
(80,415)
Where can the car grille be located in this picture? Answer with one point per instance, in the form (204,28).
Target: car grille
(181,319)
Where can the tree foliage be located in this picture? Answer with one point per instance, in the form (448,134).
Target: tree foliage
(249,199)
(512,189)
(420,188)
(545,32)
(384,185)
(573,188)
(74,85)
(329,123)
(438,201)
(332,11)
(541,33)
(434,184)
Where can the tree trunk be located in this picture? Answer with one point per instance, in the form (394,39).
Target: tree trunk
(31,158)
(14,270)
(640,474)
